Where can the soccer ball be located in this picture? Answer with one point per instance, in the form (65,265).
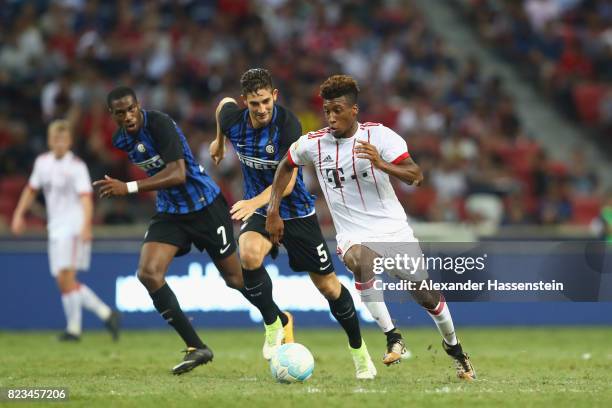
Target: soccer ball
(292,363)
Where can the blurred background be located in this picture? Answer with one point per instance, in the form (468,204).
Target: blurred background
(506,105)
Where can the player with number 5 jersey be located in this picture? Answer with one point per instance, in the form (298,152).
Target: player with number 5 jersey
(261,134)
(190,210)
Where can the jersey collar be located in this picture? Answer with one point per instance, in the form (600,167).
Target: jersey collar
(347,139)
(66,157)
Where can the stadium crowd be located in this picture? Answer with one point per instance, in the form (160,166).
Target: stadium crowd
(562,46)
(60,58)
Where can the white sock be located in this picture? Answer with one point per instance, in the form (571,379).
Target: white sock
(374,301)
(442,317)
(91,302)
(72,309)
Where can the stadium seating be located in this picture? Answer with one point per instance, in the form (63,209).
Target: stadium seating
(425,92)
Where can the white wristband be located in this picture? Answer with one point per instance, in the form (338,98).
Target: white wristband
(132,187)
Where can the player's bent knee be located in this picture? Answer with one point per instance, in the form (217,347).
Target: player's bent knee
(427,304)
(425,298)
(63,286)
(351,260)
(253,249)
(330,292)
(250,258)
(329,286)
(150,275)
(66,280)
(352,264)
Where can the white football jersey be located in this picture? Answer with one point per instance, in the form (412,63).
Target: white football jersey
(62,181)
(360,197)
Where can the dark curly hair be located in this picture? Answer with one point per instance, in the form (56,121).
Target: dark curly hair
(340,85)
(255,79)
(118,93)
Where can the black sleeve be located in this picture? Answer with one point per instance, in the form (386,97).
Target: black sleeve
(229,114)
(166,136)
(291,131)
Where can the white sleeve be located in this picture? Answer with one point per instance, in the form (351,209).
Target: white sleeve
(393,148)
(82,181)
(35,182)
(298,153)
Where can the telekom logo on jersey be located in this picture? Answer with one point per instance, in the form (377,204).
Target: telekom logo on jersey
(336,176)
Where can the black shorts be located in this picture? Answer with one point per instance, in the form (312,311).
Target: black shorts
(302,237)
(210,228)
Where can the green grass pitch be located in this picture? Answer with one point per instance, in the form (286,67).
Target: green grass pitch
(522,367)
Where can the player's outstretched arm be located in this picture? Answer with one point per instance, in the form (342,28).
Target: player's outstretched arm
(274,223)
(243,209)
(25,202)
(174,174)
(406,170)
(217,147)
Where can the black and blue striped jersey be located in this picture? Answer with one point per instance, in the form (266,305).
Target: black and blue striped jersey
(260,151)
(160,141)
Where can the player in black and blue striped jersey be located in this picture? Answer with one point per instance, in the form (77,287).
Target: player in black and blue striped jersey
(190,210)
(157,138)
(261,134)
(259,151)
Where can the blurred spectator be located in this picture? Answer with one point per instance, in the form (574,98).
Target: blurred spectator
(583,181)
(540,12)
(168,97)
(449,181)
(517,211)
(18,156)
(58,96)
(555,207)
(459,148)
(484,210)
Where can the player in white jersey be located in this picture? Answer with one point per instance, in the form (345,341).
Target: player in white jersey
(353,162)
(66,185)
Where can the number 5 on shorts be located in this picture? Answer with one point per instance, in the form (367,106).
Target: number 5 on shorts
(322,253)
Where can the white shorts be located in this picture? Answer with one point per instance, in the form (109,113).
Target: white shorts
(407,244)
(69,253)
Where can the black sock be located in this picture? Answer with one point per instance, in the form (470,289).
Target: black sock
(258,291)
(284,318)
(344,311)
(393,335)
(168,306)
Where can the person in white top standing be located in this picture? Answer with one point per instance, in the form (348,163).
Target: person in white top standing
(353,162)
(66,185)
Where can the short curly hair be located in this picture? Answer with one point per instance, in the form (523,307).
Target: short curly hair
(118,93)
(255,79)
(340,85)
